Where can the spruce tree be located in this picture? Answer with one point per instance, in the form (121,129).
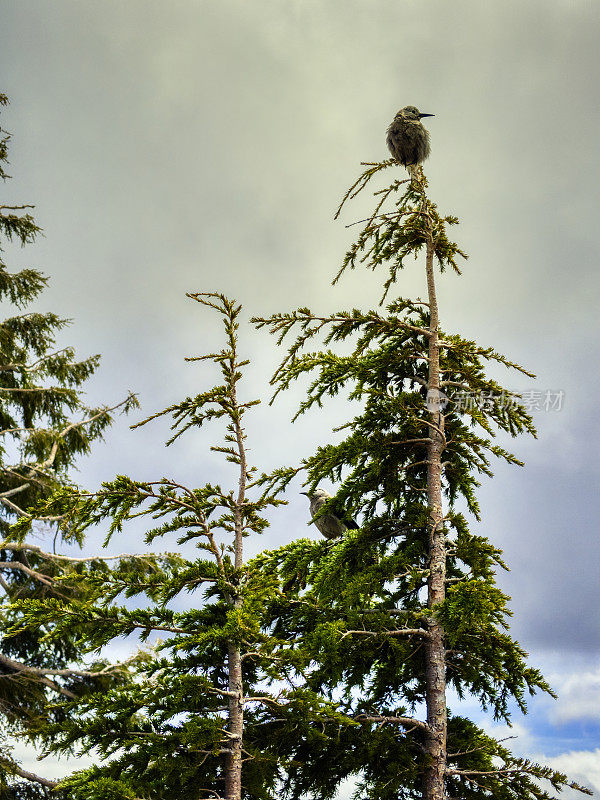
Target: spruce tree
(193,722)
(45,426)
(391,615)
(323,659)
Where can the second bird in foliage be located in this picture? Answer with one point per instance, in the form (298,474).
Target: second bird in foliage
(329,525)
(408,139)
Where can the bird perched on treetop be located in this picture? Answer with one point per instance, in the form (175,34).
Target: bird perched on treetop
(328,524)
(407,139)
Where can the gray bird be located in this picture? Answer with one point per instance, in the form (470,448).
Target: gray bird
(407,139)
(328,524)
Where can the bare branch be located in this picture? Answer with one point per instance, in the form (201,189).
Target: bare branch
(73,559)
(409,722)
(63,673)
(31,776)
(34,365)
(401,632)
(9,566)
(37,675)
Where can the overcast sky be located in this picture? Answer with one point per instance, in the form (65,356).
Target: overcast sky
(190,146)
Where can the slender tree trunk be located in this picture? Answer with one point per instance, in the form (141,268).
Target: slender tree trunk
(233,769)
(435,676)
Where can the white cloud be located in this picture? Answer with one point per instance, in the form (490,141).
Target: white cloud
(346,790)
(49,767)
(582,766)
(520,738)
(578,697)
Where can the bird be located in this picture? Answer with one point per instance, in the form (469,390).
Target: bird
(408,139)
(329,525)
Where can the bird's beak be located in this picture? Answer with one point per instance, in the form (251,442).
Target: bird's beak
(426,115)
(306,493)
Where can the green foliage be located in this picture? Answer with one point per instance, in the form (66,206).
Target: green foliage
(169,725)
(331,634)
(45,426)
(357,607)
(389,238)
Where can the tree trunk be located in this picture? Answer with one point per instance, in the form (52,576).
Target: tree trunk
(435,676)
(233,769)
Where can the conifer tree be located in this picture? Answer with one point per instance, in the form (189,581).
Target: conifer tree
(192,722)
(323,659)
(44,427)
(392,614)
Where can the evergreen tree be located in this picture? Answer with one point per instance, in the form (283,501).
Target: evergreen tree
(44,427)
(192,722)
(390,615)
(323,659)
